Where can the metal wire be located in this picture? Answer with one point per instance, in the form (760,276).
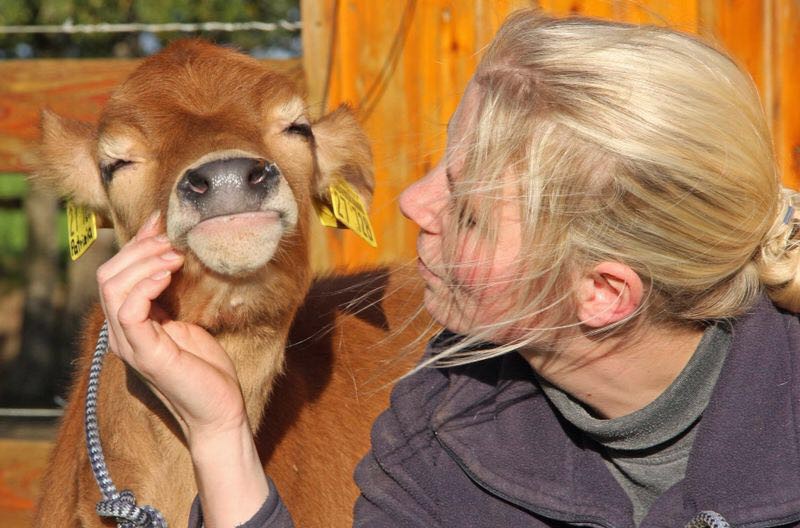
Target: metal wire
(69,28)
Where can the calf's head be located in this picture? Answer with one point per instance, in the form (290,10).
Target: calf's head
(222,146)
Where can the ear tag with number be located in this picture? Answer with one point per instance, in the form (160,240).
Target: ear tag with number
(348,209)
(81,228)
(325,214)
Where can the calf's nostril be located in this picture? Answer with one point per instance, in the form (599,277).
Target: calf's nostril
(261,174)
(257,174)
(197,182)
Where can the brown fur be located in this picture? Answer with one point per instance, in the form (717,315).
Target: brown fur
(314,398)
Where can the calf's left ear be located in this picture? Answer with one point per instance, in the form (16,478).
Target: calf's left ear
(343,152)
(64,162)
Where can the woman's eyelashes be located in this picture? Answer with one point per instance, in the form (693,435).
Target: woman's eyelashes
(464,214)
(467,219)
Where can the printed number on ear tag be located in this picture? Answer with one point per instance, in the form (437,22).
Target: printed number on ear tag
(348,209)
(81,228)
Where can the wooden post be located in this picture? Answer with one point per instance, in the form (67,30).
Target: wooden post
(786,87)
(29,380)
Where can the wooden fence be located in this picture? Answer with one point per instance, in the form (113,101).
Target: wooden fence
(403,66)
(406,98)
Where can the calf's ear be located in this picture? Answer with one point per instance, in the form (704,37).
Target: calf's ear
(64,162)
(343,152)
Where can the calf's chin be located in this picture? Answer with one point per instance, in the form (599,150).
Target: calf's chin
(236,245)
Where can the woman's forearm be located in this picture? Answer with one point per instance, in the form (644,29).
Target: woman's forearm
(230,479)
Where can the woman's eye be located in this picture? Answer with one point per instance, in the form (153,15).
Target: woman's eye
(465,217)
(467,220)
(301,129)
(107,170)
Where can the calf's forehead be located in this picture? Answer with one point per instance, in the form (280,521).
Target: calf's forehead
(194,80)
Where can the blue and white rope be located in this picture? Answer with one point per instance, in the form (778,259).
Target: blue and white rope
(708,519)
(120,505)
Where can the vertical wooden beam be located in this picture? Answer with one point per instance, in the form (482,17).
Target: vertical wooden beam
(676,14)
(786,87)
(609,9)
(318,53)
(739,27)
(405,80)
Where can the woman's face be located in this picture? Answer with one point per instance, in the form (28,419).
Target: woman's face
(476,287)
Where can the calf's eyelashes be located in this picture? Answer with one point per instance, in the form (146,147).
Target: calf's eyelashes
(300,129)
(107,169)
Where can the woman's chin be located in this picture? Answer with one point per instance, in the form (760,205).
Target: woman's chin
(442,311)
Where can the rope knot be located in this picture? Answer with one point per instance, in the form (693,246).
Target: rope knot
(122,507)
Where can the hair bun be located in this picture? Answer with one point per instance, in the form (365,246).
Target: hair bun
(779,256)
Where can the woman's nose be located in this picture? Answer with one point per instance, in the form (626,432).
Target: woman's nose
(424,200)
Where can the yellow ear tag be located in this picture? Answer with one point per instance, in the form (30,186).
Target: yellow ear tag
(325,214)
(349,209)
(81,228)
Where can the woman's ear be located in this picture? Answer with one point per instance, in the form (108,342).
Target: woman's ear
(608,293)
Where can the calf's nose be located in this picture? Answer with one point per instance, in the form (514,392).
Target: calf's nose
(228,186)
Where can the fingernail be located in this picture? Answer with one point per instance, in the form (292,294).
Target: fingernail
(171,255)
(160,275)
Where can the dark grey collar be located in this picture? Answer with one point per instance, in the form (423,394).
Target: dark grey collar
(666,417)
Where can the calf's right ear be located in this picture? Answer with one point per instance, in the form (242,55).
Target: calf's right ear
(64,162)
(343,153)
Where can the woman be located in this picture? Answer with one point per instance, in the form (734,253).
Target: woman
(599,240)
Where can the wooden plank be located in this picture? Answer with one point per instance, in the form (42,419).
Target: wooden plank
(608,9)
(318,54)
(786,67)
(406,118)
(738,26)
(21,466)
(74,88)
(681,15)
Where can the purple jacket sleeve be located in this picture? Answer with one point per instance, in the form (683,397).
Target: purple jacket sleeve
(272,514)
(387,502)
(400,479)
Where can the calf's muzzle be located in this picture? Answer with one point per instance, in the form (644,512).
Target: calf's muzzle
(228,186)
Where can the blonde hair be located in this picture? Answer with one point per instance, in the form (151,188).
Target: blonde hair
(633,144)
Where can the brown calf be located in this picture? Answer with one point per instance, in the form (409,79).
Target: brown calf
(222,147)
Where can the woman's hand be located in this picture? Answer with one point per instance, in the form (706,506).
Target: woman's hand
(190,373)
(184,364)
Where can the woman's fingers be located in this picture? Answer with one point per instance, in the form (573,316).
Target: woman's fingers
(134,321)
(132,252)
(197,341)
(115,291)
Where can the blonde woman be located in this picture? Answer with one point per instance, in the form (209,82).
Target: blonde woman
(608,244)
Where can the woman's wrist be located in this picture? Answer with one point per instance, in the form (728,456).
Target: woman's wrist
(230,478)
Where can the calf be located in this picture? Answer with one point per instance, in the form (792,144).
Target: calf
(223,148)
